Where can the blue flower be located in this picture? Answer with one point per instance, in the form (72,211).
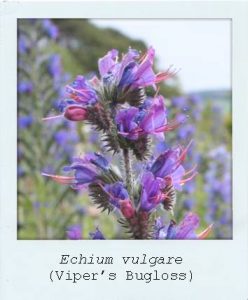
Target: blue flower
(168,166)
(25,121)
(51,29)
(22,44)
(151,193)
(149,118)
(131,72)
(74,232)
(81,92)
(54,66)
(185,230)
(97,235)
(25,87)
(86,171)
(117,192)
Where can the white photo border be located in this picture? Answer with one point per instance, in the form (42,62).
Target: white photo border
(220,267)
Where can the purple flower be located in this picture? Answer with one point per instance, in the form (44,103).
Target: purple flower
(159,229)
(107,63)
(22,44)
(25,87)
(133,74)
(225,217)
(82,92)
(218,188)
(195,99)
(117,192)
(186,132)
(167,163)
(98,160)
(154,120)
(25,121)
(97,235)
(180,102)
(188,204)
(20,171)
(132,71)
(168,166)
(51,30)
(127,124)
(166,170)
(119,198)
(151,193)
(61,137)
(54,66)
(86,171)
(65,139)
(185,230)
(150,118)
(160,147)
(74,232)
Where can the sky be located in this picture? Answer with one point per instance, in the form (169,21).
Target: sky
(201,49)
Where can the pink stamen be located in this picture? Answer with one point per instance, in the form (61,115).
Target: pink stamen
(183,181)
(205,232)
(52,118)
(184,152)
(137,130)
(60,179)
(170,126)
(166,75)
(156,198)
(191,170)
(160,197)
(82,92)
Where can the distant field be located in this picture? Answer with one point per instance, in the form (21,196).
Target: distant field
(222,98)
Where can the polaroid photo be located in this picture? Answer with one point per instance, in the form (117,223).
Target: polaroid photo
(123,150)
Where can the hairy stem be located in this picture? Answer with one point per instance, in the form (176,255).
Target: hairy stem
(128,171)
(139,226)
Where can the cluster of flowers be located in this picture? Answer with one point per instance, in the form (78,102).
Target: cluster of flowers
(42,80)
(218,187)
(116,105)
(193,105)
(55,79)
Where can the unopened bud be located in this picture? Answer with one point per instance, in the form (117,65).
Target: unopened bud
(75,113)
(127,209)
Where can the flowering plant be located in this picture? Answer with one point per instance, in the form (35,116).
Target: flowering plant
(116,104)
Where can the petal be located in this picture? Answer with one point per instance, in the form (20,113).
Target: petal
(156,116)
(177,176)
(106,63)
(128,58)
(186,228)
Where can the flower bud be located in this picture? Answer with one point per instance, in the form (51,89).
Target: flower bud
(127,209)
(75,113)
